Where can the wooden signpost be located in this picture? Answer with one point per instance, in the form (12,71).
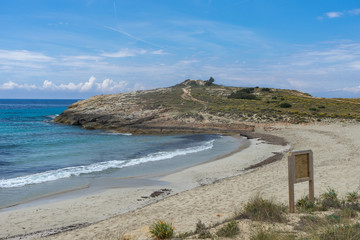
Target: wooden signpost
(300,170)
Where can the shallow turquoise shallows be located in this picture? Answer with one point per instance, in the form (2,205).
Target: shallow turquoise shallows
(39,157)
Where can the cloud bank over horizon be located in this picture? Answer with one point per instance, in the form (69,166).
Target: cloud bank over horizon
(49,54)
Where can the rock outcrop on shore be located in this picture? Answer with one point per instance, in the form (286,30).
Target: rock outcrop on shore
(164,110)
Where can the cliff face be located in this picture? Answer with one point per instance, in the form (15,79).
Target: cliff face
(166,110)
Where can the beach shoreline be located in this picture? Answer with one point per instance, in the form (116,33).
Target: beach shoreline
(209,192)
(142,198)
(136,181)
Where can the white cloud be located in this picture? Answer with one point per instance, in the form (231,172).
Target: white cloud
(12,85)
(81,87)
(106,86)
(298,84)
(340,14)
(109,86)
(354,12)
(82,57)
(352,89)
(126,52)
(355,65)
(23,55)
(334,14)
(49,85)
(88,85)
(159,52)
(138,86)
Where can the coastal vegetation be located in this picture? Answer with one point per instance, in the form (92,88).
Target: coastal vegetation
(329,217)
(200,104)
(256,104)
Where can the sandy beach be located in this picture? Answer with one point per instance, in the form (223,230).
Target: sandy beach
(209,192)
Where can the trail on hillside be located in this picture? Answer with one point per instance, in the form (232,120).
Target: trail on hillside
(187,96)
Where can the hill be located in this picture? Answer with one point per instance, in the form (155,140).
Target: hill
(192,106)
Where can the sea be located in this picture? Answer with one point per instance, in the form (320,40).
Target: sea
(40,158)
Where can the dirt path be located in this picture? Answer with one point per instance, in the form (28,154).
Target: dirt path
(187,96)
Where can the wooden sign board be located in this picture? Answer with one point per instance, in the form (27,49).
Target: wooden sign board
(300,164)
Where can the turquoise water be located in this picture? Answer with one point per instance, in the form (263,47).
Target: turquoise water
(39,157)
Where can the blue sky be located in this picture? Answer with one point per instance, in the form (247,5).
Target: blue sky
(80,48)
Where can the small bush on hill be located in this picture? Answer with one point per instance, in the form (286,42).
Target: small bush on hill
(265,89)
(247,90)
(210,81)
(242,95)
(285,105)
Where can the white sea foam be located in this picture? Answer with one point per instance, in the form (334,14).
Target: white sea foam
(52,116)
(115,133)
(98,167)
(58,174)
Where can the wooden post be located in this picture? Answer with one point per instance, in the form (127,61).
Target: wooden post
(291,168)
(311,175)
(301,168)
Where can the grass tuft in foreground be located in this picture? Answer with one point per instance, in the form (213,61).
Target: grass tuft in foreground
(162,230)
(266,234)
(202,231)
(260,209)
(341,232)
(229,230)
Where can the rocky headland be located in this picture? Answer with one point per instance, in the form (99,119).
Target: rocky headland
(195,106)
(164,110)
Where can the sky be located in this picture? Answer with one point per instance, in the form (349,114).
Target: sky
(80,48)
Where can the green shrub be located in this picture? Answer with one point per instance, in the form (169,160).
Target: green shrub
(229,230)
(353,206)
(263,234)
(347,213)
(259,209)
(309,223)
(242,95)
(162,230)
(304,204)
(313,109)
(329,199)
(202,231)
(265,89)
(342,232)
(247,90)
(184,235)
(285,105)
(333,218)
(210,81)
(352,196)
